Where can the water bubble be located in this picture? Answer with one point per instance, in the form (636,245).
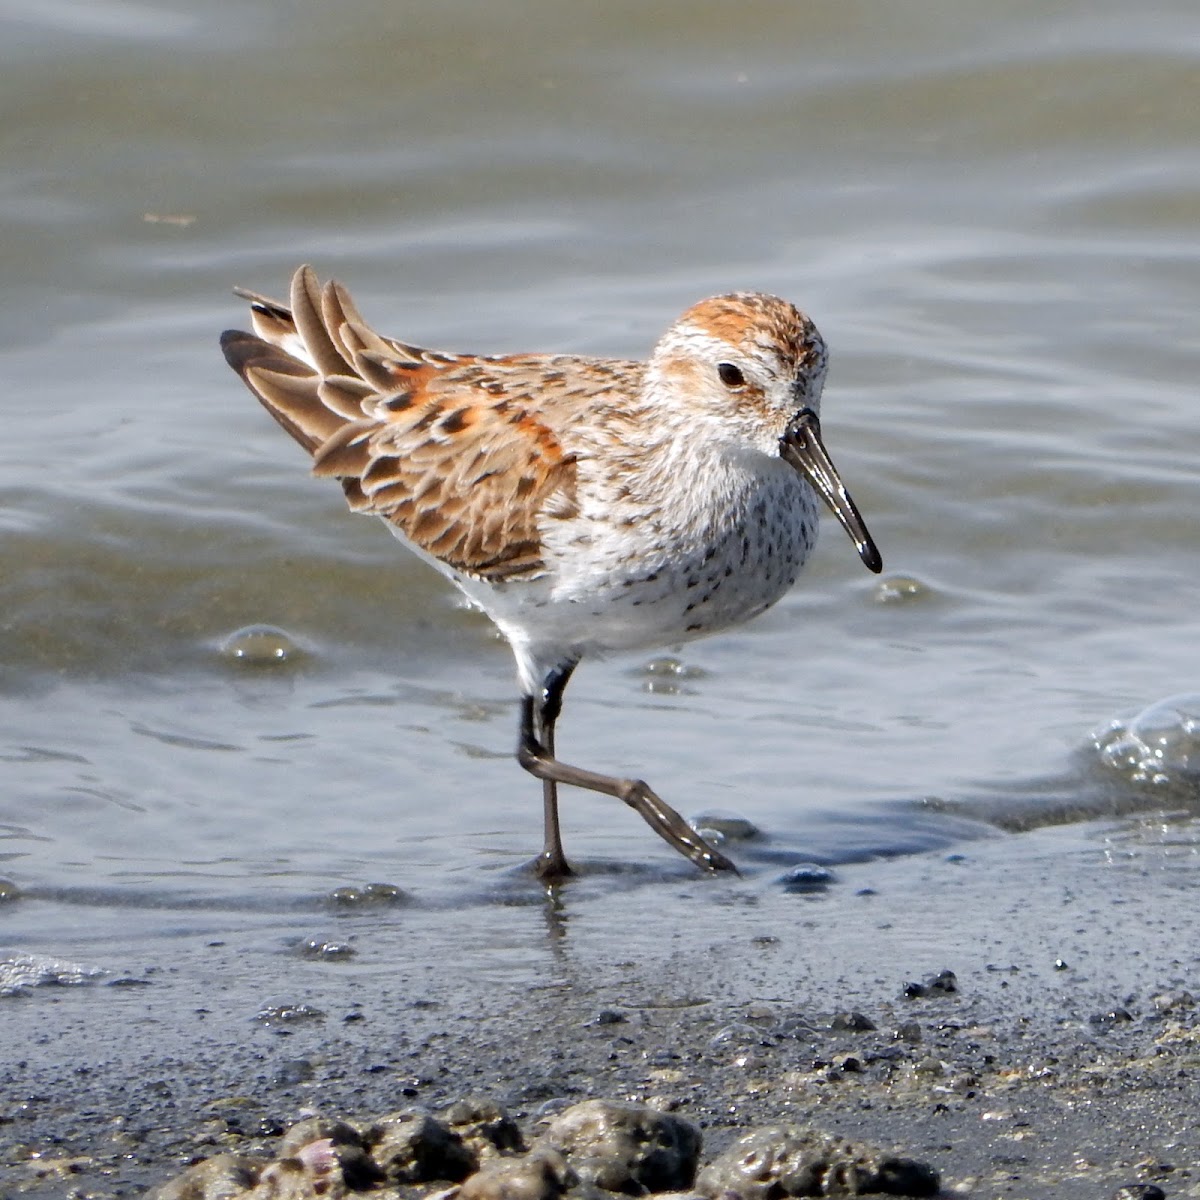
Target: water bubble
(724,825)
(667,675)
(326,949)
(367,895)
(1158,746)
(671,667)
(737,1035)
(901,589)
(259,646)
(22,972)
(288,1014)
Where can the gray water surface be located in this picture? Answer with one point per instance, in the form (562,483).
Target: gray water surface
(990,211)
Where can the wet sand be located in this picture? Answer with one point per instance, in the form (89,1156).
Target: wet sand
(1066,1062)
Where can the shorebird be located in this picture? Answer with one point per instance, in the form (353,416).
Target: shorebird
(587,505)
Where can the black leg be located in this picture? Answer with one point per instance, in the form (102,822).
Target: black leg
(552,862)
(535,752)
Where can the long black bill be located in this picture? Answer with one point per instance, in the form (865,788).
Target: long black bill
(802,447)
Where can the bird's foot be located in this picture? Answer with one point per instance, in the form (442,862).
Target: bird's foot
(672,828)
(552,867)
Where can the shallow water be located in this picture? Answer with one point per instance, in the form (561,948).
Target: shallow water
(992,216)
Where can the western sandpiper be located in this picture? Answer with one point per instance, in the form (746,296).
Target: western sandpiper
(587,505)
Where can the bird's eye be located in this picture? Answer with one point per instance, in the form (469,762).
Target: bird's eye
(731,376)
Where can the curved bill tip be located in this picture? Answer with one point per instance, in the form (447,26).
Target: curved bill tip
(802,447)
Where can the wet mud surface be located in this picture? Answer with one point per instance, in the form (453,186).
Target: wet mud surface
(1022,1018)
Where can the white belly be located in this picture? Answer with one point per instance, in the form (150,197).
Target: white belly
(610,587)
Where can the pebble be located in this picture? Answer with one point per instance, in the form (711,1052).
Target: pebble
(787,1160)
(293,1070)
(737,1035)
(944,983)
(220,1176)
(854,1022)
(609,1016)
(1173,1001)
(485,1128)
(625,1147)
(316,1129)
(543,1175)
(1114,1016)
(413,1146)
(807,877)
(314,1170)
(619,1146)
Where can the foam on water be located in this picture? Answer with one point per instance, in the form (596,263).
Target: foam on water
(1160,745)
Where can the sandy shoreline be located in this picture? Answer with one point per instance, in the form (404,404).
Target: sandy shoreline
(1066,1063)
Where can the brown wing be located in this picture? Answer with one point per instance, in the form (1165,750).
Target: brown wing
(447,447)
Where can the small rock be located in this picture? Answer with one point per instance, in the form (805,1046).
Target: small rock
(291,1071)
(760,1015)
(944,983)
(485,1128)
(543,1175)
(786,1160)
(625,1147)
(854,1022)
(1172,1001)
(807,877)
(1114,1016)
(217,1178)
(737,1035)
(1139,1191)
(314,1170)
(412,1146)
(796,1026)
(909,1032)
(315,1129)
(609,1016)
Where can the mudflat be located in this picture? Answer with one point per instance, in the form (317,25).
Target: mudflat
(1020,1015)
